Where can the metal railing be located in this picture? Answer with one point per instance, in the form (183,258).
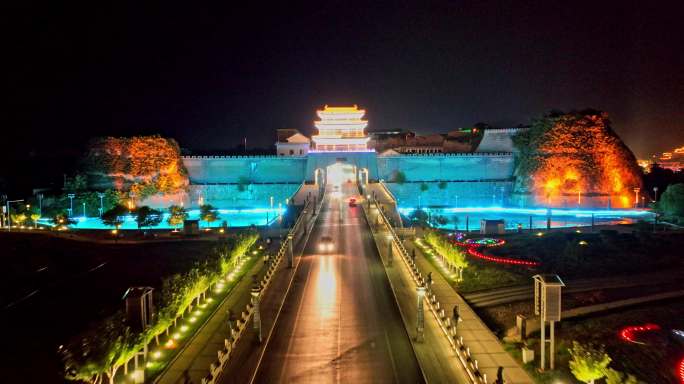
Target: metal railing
(236,332)
(448,329)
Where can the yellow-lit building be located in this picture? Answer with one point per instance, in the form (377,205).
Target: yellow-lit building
(341,129)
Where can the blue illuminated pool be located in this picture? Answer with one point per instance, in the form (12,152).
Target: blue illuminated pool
(458,218)
(233,218)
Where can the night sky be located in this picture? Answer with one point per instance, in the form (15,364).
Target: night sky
(210,76)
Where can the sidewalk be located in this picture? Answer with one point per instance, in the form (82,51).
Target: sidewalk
(435,355)
(483,344)
(202,349)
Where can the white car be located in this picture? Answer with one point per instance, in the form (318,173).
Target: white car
(326,244)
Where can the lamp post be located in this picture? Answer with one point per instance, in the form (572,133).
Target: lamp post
(101,196)
(290,249)
(420,319)
(579,197)
(84,212)
(636,197)
(40,204)
(655,191)
(9,217)
(256,290)
(71,203)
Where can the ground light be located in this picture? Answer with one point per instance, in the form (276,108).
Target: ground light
(188,326)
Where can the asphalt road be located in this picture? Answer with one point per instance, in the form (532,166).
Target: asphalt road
(339,323)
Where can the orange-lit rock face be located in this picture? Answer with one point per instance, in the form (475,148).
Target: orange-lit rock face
(578,158)
(144,164)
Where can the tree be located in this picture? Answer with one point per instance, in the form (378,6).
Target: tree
(62,218)
(616,377)
(442,185)
(419,217)
(208,213)
(671,202)
(450,253)
(177,215)
(147,217)
(243,183)
(115,216)
(424,187)
(400,177)
(588,362)
(18,218)
(76,184)
(35,216)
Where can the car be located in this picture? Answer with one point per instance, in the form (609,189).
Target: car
(326,244)
(352,202)
(336,188)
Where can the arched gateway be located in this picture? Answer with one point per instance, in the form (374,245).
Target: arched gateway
(341,139)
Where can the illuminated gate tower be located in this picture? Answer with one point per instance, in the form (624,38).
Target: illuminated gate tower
(340,129)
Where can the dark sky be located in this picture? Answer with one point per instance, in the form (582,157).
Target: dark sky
(208,76)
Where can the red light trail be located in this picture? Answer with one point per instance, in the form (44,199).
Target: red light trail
(629,333)
(472,246)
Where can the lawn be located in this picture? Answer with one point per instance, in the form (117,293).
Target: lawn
(652,362)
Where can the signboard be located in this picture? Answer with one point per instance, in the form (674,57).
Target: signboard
(552,301)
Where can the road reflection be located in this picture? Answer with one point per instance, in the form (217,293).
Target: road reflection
(326,301)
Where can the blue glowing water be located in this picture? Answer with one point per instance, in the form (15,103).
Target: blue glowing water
(233,218)
(456,217)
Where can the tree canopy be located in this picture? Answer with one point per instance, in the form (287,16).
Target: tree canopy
(177,215)
(588,362)
(115,216)
(147,217)
(208,213)
(671,202)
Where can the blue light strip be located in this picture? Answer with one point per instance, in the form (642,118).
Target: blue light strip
(537,211)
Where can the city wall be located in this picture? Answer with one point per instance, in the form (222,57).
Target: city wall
(416,168)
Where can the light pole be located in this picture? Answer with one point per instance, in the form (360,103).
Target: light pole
(101,196)
(579,197)
(9,217)
(84,212)
(420,319)
(256,290)
(71,203)
(655,191)
(40,204)
(636,197)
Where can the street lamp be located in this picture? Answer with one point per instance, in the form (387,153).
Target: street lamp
(40,204)
(101,196)
(579,197)
(636,197)
(84,212)
(71,203)
(655,191)
(7,209)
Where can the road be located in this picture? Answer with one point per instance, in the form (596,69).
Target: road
(340,323)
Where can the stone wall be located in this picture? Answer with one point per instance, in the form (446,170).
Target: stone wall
(448,167)
(256,169)
(417,168)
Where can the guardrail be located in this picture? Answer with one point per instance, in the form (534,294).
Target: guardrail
(236,332)
(448,329)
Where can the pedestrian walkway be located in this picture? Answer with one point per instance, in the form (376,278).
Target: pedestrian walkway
(483,344)
(200,351)
(435,356)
